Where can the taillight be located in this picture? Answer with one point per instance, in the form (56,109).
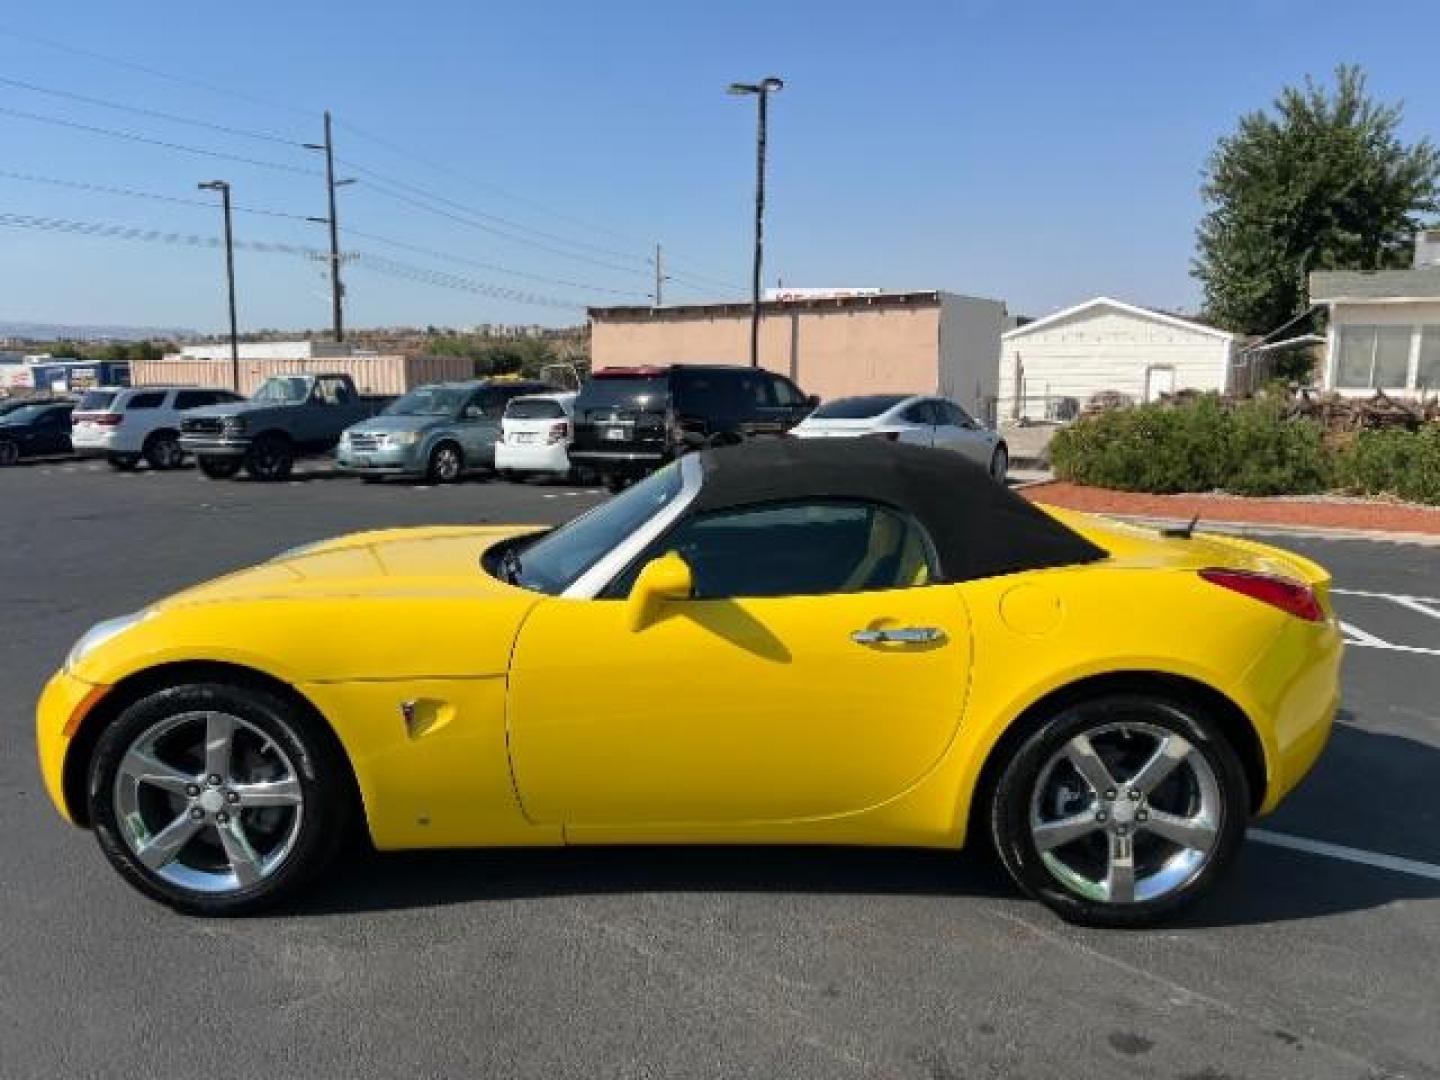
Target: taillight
(1290,596)
(888,436)
(558,432)
(101,419)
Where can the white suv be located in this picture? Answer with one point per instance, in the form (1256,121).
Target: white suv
(125,424)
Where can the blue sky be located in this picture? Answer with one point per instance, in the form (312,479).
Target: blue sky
(1039,153)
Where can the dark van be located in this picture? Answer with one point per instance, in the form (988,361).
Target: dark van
(630,420)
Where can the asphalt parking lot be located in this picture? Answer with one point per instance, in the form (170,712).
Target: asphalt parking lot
(1319,958)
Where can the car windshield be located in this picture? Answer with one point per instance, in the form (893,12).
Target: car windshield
(97,400)
(625,391)
(283,390)
(430,401)
(858,408)
(556,561)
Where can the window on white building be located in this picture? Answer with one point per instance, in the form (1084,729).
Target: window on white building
(1373,357)
(1427,375)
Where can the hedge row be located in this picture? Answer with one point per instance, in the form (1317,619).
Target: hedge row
(1247,449)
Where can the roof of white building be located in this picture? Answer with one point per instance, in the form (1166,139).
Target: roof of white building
(1120,305)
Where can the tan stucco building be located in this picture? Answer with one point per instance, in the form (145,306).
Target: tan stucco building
(919,342)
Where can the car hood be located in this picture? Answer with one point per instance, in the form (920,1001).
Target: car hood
(442,561)
(231,409)
(391,424)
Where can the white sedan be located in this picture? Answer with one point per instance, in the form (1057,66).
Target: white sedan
(535,436)
(909,418)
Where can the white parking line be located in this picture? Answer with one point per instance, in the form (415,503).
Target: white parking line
(1396,597)
(1376,859)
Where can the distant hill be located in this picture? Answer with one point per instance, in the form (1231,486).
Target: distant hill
(54,331)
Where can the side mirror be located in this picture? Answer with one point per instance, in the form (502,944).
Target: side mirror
(665,578)
(813,401)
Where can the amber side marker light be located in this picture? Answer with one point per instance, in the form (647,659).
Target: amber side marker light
(1290,596)
(82,710)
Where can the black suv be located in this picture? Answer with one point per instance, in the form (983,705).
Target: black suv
(629,420)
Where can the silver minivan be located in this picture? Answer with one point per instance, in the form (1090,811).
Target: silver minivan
(437,432)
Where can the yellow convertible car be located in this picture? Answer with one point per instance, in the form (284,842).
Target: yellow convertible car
(796,642)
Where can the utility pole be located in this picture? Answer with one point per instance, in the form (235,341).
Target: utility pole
(223,187)
(659,278)
(337,288)
(762,90)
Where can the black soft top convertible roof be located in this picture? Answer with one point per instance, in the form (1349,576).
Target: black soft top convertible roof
(979,528)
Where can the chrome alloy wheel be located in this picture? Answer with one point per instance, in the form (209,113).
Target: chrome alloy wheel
(1125,813)
(208,802)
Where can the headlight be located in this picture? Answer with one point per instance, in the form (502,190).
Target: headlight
(405,438)
(100,633)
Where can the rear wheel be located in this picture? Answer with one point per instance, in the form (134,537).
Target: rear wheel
(217,799)
(123,462)
(219,468)
(446,465)
(270,458)
(9,453)
(162,451)
(1121,810)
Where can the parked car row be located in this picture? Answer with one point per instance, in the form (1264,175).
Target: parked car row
(623,423)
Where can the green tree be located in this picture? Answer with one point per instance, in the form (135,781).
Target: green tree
(1322,182)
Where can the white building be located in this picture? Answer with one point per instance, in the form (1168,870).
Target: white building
(1384,327)
(269,350)
(1055,364)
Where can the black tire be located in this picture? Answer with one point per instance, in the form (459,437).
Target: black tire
(9,453)
(124,462)
(271,458)
(1000,463)
(446,464)
(1015,800)
(162,451)
(219,468)
(316,832)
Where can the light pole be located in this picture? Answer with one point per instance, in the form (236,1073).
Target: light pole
(762,91)
(223,186)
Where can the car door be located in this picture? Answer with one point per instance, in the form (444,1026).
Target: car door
(482,424)
(958,431)
(918,420)
(52,432)
(769,697)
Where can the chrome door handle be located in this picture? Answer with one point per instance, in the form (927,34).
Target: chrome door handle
(904,635)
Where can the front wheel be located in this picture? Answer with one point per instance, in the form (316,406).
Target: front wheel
(217,799)
(9,453)
(446,464)
(162,451)
(1121,810)
(270,458)
(219,468)
(1000,463)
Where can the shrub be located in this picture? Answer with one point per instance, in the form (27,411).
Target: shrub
(1402,463)
(1251,449)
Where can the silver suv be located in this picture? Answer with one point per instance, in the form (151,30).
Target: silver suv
(126,423)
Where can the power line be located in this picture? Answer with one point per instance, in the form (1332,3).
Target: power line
(154,196)
(508,222)
(131,136)
(152,113)
(491,229)
(378,263)
(105,189)
(419,250)
(169,76)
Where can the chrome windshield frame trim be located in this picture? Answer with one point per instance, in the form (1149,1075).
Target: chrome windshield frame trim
(590,584)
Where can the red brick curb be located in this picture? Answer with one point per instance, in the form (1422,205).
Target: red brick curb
(1322,513)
